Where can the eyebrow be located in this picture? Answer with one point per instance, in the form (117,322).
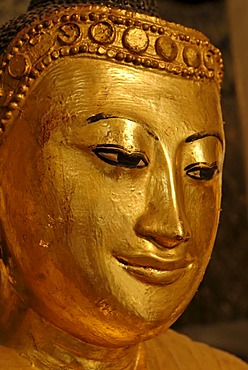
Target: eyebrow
(99,117)
(202,135)
(103,116)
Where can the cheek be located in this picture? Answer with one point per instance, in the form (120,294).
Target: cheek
(202,207)
(97,210)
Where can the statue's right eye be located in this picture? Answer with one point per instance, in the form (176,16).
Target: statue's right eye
(119,157)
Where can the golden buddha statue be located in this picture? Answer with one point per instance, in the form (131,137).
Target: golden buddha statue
(112,149)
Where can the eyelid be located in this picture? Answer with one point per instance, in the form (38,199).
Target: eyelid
(105,116)
(118,148)
(113,146)
(199,164)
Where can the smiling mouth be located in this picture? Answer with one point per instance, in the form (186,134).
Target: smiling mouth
(155,271)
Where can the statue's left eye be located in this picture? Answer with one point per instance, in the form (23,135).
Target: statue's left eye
(202,171)
(119,157)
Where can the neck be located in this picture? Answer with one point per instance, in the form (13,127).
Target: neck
(50,348)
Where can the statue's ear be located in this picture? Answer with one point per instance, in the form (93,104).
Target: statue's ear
(5,257)
(3,247)
(1,251)
(12,306)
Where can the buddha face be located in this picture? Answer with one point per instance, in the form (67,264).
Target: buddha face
(111,197)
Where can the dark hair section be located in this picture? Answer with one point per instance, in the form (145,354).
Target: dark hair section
(141,6)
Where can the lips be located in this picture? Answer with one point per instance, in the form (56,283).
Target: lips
(155,270)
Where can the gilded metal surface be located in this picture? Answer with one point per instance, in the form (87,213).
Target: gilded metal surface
(117,206)
(110,193)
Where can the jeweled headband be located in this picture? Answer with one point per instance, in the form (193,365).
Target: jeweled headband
(96,31)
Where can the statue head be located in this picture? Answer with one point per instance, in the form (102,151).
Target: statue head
(111,158)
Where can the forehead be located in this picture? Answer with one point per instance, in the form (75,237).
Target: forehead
(85,87)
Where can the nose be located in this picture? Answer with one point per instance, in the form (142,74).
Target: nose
(163,221)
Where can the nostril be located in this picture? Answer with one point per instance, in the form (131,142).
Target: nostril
(180,238)
(166,241)
(163,241)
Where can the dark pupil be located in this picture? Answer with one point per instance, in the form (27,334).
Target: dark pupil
(207,173)
(128,160)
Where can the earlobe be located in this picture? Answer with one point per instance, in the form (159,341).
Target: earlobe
(2,202)
(12,307)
